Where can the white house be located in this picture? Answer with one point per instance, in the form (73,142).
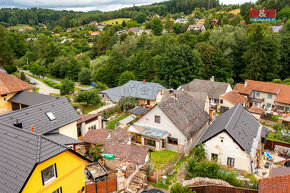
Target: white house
(230,100)
(175,123)
(89,121)
(235,139)
(181,20)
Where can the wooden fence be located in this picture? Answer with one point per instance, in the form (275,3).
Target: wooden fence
(271,144)
(110,185)
(220,189)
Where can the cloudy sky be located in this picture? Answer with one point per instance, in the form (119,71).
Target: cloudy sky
(87,5)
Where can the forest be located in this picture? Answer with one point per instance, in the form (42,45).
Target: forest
(232,51)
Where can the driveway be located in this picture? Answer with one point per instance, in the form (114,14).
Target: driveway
(43,88)
(102,108)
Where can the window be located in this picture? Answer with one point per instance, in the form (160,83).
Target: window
(150,142)
(269,96)
(157,119)
(50,116)
(79,132)
(214,157)
(257,94)
(48,174)
(59,190)
(268,105)
(172,140)
(231,161)
(287,109)
(221,101)
(148,102)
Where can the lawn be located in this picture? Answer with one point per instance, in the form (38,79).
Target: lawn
(160,159)
(19,26)
(111,125)
(113,21)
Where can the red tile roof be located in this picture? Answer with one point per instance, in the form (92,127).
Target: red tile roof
(277,184)
(10,84)
(106,135)
(234,98)
(286,116)
(87,117)
(282,91)
(256,110)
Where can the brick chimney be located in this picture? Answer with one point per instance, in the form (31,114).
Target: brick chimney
(32,128)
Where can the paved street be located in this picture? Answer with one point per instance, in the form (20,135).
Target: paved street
(43,88)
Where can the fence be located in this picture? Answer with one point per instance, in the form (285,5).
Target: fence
(110,185)
(271,144)
(220,189)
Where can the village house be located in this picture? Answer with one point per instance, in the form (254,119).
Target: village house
(55,119)
(175,123)
(257,112)
(89,121)
(101,27)
(9,86)
(147,93)
(285,120)
(265,95)
(94,33)
(196,27)
(230,100)
(212,88)
(32,163)
(234,139)
(181,20)
(138,111)
(136,30)
(93,23)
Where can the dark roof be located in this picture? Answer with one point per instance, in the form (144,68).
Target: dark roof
(20,152)
(212,88)
(126,152)
(11,84)
(184,112)
(138,110)
(137,89)
(36,115)
(280,171)
(62,139)
(96,136)
(88,117)
(30,98)
(277,184)
(239,124)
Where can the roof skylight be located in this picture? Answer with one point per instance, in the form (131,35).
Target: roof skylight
(50,116)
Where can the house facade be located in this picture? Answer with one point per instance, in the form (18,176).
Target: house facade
(181,20)
(230,100)
(175,123)
(265,94)
(235,139)
(9,86)
(89,121)
(196,27)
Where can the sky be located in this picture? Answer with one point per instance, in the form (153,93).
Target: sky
(88,5)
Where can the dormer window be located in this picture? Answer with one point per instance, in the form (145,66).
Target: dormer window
(50,116)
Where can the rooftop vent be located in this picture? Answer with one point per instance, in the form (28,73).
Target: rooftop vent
(17,124)
(50,116)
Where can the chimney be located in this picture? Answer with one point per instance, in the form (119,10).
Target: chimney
(32,128)
(212,78)
(144,81)
(246,83)
(17,124)
(171,92)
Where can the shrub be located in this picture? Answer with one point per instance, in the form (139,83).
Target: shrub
(178,188)
(67,86)
(52,83)
(90,97)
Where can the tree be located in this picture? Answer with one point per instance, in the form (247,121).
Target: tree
(91,97)
(22,76)
(156,26)
(6,54)
(67,86)
(178,188)
(125,77)
(139,17)
(128,102)
(95,151)
(85,76)
(262,55)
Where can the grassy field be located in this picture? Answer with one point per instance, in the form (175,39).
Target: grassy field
(115,21)
(19,26)
(160,159)
(111,125)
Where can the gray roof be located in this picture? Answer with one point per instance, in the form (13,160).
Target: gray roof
(184,112)
(212,88)
(137,29)
(30,98)
(137,89)
(62,139)
(20,152)
(153,133)
(36,115)
(2,69)
(138,110)
(127,120)
(239,124)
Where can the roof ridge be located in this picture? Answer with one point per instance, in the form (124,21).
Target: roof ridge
(231,117)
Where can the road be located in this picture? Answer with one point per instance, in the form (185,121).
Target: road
(43,88)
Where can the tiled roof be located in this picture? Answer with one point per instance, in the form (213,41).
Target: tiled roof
(36,115)
(137,89)
(286,117)
(234,98)
(282,91)
(20,152)
(127,152)
(212,88)
(280,172)
(87,117)
(184,112)
(256,110)
(239,124)
(103,135)
(138,110)
(10,84)
(277,184)
(30,98)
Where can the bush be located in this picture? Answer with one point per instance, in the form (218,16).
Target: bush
(52,83)
(11,69)
(178,188)
(84,76)
(90,97)
(67,86)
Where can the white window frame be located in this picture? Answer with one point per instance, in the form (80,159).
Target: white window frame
(50,179)
(59,190)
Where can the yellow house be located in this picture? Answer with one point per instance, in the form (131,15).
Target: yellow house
(9,86)
(31,163)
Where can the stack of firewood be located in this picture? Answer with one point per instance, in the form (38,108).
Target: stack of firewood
(138,182)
